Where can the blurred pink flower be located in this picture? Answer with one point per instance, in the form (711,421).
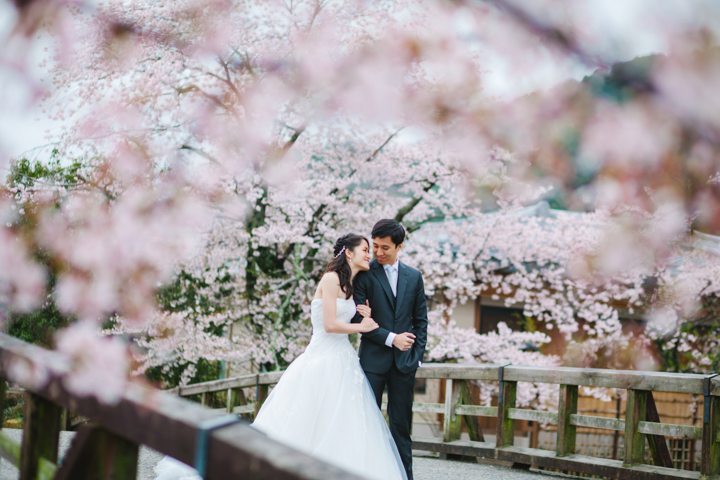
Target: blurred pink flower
(98,365)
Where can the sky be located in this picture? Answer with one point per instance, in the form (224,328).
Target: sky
(22,124)
(623,29)
(616,30)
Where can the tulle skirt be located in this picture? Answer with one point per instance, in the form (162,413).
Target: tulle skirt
(170,469)
(323,405)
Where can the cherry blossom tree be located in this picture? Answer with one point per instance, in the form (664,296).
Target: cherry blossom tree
(230,141)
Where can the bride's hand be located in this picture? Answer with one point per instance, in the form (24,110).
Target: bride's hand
(368,325)
(365,310)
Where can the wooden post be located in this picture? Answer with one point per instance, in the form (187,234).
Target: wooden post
(567,406)
(452,423)
(471,421)
(534,434)
(710,460)
(41,435)
(260,396)
(635,411)
(98,454)
(203,399)
(506,401)
(66,419)
(616,434)
(241,399)
(658,446)
(3,398)
(231,400)
(693,443)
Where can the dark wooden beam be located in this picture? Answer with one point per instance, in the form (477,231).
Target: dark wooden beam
(146,416)
(41,435)
(567,406)
(506,401)
(97,454)
(710,459)
(658,446)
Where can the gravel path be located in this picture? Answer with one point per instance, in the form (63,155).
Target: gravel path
(425,467)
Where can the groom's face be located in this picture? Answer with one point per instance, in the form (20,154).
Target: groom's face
(385,251)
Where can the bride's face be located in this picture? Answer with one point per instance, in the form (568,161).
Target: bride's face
(360,256)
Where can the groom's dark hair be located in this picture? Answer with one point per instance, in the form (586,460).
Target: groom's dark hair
(387,227)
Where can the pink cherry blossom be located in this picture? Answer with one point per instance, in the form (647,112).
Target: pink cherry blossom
(98,366)
(233,142)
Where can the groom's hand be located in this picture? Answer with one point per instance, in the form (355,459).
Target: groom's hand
(404,341)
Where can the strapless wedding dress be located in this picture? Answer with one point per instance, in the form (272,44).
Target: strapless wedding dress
(323,405)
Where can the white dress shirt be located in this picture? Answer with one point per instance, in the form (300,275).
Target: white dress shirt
(391,271)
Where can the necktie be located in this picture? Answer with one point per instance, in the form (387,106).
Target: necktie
(391,273)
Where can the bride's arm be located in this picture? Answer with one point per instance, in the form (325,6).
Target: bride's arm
(330,288)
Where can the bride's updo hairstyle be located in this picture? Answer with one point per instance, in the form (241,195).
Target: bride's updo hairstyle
(339,263)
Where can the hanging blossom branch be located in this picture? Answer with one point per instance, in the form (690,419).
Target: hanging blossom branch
(342,73)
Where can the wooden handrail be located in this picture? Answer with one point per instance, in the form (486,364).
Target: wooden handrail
(596,377)
(641,424)
(157,419)
(169,424)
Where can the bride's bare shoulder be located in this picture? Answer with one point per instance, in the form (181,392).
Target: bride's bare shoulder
(330,278)
(329,283)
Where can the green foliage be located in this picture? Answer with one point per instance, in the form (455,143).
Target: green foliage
(187,293)
(184,293)
(529,324)
(670,357)
(27,173)
(705,330)
(13,409)
(38,326)
(169,376)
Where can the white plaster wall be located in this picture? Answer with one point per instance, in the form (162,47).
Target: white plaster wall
(464,315)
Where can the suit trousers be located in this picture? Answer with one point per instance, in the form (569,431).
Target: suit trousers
(400,387)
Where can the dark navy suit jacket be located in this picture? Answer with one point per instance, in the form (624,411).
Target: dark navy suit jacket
(406,313)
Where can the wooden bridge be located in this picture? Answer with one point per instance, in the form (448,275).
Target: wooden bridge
(223,446)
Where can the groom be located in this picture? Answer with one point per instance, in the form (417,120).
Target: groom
(391,354)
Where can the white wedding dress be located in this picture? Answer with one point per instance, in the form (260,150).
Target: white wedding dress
(323,405)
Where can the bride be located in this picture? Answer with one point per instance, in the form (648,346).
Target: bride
(323,404)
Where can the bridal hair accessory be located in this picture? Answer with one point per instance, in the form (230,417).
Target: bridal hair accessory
(340,252)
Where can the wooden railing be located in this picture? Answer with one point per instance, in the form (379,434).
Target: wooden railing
(641,425)
(222,446)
